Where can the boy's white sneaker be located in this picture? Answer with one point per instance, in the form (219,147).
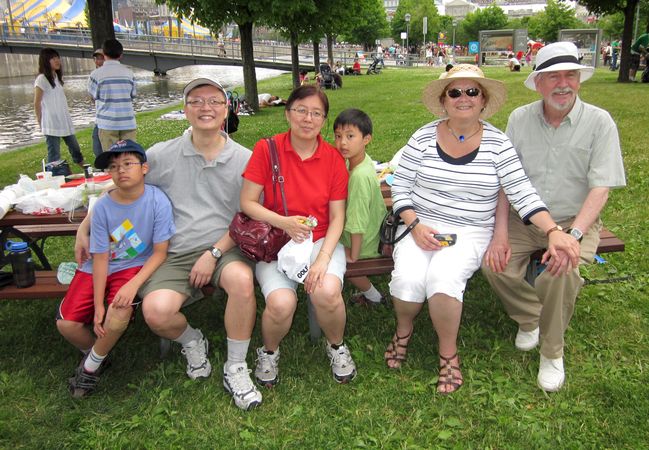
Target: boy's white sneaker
(551,374)
(198,366)
(527,340)
(236,381)
(267,370)
(342,364)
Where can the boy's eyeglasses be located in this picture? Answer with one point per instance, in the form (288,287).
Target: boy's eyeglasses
(456,93)
(114,168)
(199,102)
(303,112)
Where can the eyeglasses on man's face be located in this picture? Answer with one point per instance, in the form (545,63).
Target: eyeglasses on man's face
(302,112)
(457,92)
(199,102)
(125,166)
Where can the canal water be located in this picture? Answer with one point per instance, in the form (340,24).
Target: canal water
(19,125)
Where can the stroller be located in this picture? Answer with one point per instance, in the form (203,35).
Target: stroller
(376,66)
(326,77)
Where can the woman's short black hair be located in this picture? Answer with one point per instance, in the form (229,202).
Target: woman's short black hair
(308,90)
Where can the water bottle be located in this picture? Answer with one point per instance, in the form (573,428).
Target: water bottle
(89,178)
(22,263)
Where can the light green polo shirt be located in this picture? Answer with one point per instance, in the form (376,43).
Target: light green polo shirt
(564,163)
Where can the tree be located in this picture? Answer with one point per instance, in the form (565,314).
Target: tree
(490,18)
(418,9)
(627,7)
(100,20)
(556,16)
(213,14)
(365,22)
(297,20)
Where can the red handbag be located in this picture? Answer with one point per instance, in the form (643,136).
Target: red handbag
(259,240)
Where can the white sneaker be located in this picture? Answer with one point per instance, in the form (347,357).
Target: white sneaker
(267,371)
(198,366)
(342,364)
(527,340)
(236,381)
(551,374)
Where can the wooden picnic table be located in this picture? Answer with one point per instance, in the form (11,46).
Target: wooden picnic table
(35,230)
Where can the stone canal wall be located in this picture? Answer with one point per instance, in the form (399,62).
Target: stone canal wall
(19,65)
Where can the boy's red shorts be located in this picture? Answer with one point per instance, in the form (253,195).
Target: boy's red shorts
(78,305)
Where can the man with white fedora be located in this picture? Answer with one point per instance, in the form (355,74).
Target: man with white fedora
(570,151)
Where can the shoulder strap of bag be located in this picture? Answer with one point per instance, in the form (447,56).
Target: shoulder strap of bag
(277,176)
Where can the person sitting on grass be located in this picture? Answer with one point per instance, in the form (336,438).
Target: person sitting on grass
(356,67)
(131,228)
(365,206)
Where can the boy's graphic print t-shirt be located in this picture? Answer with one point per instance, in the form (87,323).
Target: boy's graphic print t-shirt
(125,242)
(128,232)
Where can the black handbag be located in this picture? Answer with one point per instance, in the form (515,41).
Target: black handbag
(388,232)
(259,240)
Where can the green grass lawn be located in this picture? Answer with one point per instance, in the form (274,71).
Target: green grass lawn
(146,402)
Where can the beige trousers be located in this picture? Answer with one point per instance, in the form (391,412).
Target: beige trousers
(109,137)
(550,303)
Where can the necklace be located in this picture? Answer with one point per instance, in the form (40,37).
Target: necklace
(461,138)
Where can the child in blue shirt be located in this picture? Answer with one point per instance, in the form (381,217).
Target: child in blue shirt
(130,232)
(365,205)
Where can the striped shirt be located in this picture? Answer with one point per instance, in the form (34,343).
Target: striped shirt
(462,191)
(113,88)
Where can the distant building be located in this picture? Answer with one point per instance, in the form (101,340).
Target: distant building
(458,9)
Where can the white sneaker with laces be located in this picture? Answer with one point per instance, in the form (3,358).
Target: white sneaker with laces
(527,340)
(198,366)
(236,381)
(551,374)
(342,364)
(267,370)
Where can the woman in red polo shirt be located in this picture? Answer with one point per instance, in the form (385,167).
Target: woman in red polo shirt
(315,185)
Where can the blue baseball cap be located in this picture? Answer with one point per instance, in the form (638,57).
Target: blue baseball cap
(124,146)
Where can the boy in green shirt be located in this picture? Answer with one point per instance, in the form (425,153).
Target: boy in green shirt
(365,205)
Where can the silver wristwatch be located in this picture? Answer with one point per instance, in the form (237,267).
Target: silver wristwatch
(216,252)
(576,233)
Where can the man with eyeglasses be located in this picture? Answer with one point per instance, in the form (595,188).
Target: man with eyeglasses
(570,151)
(201,174)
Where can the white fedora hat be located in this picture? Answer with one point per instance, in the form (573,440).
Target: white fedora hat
(558,56)
(496,92)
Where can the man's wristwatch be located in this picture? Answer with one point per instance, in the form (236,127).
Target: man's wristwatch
(216,252)
(554,228)
(576,233)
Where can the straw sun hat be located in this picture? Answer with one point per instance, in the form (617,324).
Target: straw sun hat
(496,92)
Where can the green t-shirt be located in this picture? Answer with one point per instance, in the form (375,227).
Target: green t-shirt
(365,209)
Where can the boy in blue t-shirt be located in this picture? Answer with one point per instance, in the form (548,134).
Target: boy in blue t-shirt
(365,205)
(130,232)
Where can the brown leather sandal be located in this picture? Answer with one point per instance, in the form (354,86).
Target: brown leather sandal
(392,351)
(452,380)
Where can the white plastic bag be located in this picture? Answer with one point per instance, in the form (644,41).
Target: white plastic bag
(48,201)
(294,260)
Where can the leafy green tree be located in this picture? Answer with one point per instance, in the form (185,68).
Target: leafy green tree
(418,9)
(628,8)
(490,18)
(612,25)
(556,16)
(365,22)
(213,14)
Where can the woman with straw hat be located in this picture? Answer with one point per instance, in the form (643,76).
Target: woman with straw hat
(453,174)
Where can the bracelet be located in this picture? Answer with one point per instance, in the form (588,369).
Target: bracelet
(327,254)
(412,225)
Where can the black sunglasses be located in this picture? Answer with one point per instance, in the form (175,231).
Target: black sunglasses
(456,93)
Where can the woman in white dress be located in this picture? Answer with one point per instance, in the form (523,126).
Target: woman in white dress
(51,108)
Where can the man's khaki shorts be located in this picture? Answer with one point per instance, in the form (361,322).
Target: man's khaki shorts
(108,137)
(173,274)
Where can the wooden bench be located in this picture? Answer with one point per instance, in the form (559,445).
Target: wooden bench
(47,286)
